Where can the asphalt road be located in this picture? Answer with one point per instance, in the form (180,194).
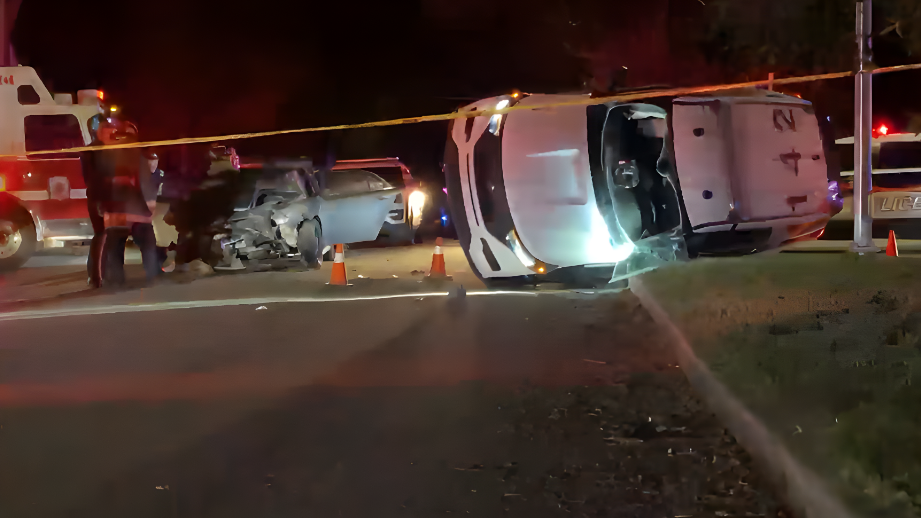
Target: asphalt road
(489,404)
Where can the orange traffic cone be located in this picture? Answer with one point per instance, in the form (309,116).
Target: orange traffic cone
(338,277)
(438,261)
(892,248)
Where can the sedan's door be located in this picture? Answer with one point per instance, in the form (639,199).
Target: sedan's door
(355,217)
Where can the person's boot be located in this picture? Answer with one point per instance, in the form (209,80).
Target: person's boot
(170,263)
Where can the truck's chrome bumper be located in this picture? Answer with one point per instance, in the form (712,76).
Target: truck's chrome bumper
(66,229)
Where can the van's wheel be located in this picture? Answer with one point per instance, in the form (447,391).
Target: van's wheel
(17,237)
(308,244)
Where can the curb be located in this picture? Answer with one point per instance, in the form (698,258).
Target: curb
(798,485)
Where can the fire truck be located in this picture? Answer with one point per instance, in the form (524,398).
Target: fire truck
(42,197)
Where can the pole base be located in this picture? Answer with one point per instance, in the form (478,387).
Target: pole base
(864,249)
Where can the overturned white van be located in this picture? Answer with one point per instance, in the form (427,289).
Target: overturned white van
(591,191)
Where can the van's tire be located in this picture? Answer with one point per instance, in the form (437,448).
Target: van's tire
(17,235)
(308,244)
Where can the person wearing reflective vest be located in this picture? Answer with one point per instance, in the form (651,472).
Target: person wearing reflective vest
(124,210)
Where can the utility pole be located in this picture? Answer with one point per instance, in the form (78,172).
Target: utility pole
(9,10)
(6,27)
(863,132)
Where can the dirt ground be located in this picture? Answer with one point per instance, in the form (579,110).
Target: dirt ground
(823,349)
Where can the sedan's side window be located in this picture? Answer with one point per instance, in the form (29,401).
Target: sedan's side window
(354,181)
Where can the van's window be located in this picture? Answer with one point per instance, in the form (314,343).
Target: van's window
(27,95)
(49,132)
(846,155)
(490,186)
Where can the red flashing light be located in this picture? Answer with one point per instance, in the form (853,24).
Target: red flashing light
(101,95)
(884,130)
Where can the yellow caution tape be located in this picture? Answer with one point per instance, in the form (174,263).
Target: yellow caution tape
(581,101)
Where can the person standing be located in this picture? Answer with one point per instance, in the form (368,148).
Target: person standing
(125,211)
(152,180)
(95,191)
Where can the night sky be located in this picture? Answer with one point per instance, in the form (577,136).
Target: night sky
(203,67)
(192,67)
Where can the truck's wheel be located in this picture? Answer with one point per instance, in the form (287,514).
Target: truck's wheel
(308,244)
(17,237)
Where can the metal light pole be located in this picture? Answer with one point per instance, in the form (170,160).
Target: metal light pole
(863,132)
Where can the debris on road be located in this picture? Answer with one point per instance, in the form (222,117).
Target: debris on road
(260,308)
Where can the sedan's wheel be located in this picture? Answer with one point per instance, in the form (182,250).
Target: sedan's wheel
(17,238)
(308,244)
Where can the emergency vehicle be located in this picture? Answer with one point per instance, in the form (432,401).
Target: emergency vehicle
(42,197)
(895,198)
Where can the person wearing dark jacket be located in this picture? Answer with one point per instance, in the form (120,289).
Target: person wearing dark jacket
(95,190)
(207,208)
(152,186)
(124,209)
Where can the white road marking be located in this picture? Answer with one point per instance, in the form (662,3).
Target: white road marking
(194,304)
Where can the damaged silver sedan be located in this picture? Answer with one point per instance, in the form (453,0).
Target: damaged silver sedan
(288,216)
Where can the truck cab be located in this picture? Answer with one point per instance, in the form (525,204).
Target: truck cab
(895,198)
(42,197)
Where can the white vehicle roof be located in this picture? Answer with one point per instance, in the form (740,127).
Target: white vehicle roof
(882,139)
(23,81)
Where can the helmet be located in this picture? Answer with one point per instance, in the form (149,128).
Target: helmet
(113,131)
